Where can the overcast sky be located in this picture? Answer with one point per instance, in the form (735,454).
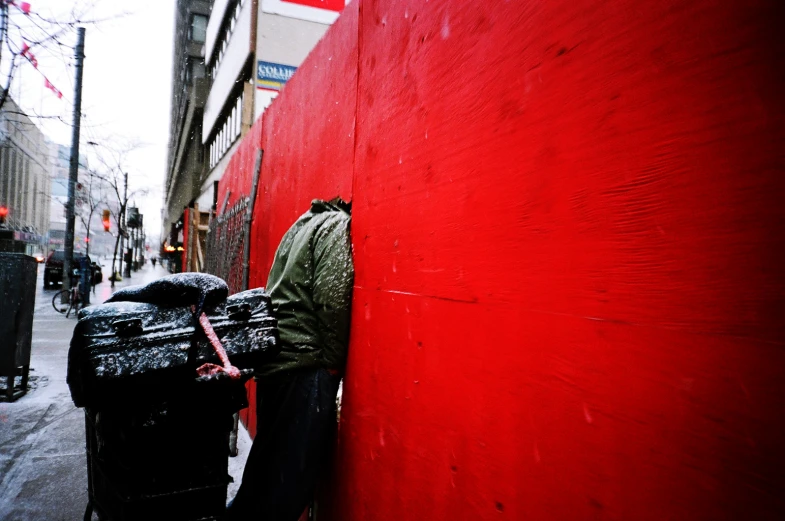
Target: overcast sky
(127,86)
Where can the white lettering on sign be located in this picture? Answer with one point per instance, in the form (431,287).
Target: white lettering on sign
(274,71)
(272,76)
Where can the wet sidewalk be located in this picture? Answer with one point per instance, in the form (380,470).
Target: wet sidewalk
(43,473)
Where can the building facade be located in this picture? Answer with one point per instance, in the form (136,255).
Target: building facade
(252,48)
(287,33)
(186,166)
(60,164)
(24,178)
(231,59)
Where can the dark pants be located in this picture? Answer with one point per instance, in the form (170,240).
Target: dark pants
(295,423)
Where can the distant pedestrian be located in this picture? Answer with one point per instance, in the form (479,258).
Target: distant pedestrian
(153,261)
(310,284)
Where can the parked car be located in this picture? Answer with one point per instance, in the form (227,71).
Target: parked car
(53,269)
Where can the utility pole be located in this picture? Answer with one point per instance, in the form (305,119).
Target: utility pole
(129,236)
(3,14)
(4,36)
(123,209)
(140,240)
(73,175)
(137,243)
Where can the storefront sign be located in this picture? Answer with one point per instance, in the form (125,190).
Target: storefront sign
(28,237)
(272,76)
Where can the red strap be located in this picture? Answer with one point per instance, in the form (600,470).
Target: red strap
(211,369)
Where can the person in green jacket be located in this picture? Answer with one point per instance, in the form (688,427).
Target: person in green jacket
(310,284)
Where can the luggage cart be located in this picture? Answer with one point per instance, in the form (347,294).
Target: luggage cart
(158,409)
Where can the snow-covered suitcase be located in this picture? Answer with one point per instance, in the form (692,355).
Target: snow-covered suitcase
(132,352)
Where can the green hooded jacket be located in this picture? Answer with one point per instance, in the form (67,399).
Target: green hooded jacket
(310,284)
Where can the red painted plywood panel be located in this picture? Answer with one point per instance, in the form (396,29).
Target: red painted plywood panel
(577,158)
(458,410)
(576,208)
(186,242)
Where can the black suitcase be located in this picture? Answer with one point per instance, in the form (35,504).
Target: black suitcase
(126,352)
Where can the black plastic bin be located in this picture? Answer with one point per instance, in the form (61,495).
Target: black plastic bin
(17,302)
(165,462)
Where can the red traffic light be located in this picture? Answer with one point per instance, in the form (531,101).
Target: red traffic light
(3,213)
(105,220)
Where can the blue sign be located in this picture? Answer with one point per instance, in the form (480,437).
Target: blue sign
(272,76)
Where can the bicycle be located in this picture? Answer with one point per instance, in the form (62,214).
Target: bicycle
(66,300)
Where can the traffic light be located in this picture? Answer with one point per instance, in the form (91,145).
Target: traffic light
(3,214)
(105,220)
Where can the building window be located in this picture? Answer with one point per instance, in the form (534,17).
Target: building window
(198,31)
(197,69)
(239,121)
(229,131)
(225,34)
(194,68)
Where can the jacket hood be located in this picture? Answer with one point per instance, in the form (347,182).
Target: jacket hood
(334,205)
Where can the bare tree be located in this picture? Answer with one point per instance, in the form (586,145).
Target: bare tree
(94,196)
(114,174)
(25,33)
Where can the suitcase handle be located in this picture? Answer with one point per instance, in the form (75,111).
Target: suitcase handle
(129,327)
(239,311)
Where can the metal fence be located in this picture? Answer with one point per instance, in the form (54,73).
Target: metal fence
(224,255)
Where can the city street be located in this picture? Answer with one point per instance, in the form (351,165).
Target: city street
(531,250)
(42,443)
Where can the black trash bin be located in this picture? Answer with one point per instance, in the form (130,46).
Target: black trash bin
(17,301)
(167,461)
(158,436)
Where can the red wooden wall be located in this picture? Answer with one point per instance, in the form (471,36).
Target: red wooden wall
(186,243)
(569,235)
